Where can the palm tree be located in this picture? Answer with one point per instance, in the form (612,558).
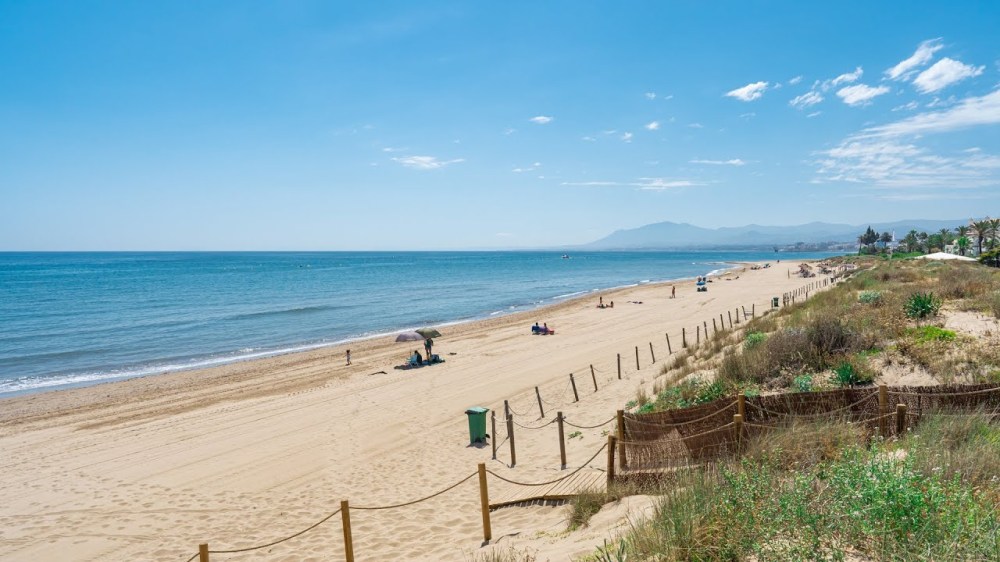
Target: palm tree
(963,244)
(945,236)
(982,229)
(994,231)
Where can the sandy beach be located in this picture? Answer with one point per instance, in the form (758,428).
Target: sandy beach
(247,453)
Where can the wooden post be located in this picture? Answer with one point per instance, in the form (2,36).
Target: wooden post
(670,350)
(493,436)
(738,430)
(883,407)
(730,319)
(744,312)
(506,409)
(538,395)
(572,381)
(484,502)
(900,419)
(741,400)
(737,315)
(593,377)
(345,517)
(721,321)
(619,366)
(611,459)
(697,334)
(651,354)
(636,358)
(684,339)
(562,441)
(753,310)
(621,439)
(203,553)
(510,437)
(715,329)
(705,325)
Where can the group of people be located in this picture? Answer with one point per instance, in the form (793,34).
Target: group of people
(543,330)
(600,303)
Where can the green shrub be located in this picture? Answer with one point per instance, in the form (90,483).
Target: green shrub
(922,305)
(754,339)
(870,297)
(926,334)
(803,383)
(849,374)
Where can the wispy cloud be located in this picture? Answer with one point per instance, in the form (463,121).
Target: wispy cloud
(847,78)
(593,183)
(542,119)
(795,80)
(627,137)
(860,94)
(509,131)
(807,99)
(733,162)
(650,95)
(425,162)
(907,106)
(588,138)
(944,73)
(645,184)
(653,126)
(814,114)
(391,149)
(923,55)
(970,112)
(749,92)
(696,126)
(534,166)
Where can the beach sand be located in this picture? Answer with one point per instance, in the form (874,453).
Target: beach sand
(247,453)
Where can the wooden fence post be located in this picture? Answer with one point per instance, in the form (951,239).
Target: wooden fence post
(484,502)
(611,459)
(738,430)
(621,439)
(730,319)
(883,408)
(651,354)
(721,321)
(593,377)
(637,358)
(737,315)
(203,553)
(741,400)
(715,329)
(572,381)
(506,409)
(705,325)
(539,396)
(493,435)
(900,419)
(510,437)
(345,517)
(753,310)
(562,441)
(619,366)
(697,335)
(670,350)
(744,312)
(684,339)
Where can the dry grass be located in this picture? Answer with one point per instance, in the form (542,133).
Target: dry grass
(805,443)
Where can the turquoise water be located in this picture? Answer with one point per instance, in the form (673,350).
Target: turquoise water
(72,319)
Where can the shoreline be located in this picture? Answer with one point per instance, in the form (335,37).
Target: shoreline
(220,360)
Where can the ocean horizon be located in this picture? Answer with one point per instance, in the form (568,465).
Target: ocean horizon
(70,319)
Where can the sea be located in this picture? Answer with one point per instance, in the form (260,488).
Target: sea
(77,319)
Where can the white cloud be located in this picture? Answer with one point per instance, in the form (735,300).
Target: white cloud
(660,184)
(807,99)
(920,57)
(541,119)
(970,112)
(749,115)
(733,162)
(588,139)
(814,114)
(592,183)
(391,149)
(938,102)
(795,80)
(860,94)
(650,95)
(670,97)
(749,92)
(627,137)
(944,73)
(907,106)
(530,168)
(653,126)
(425,162)
(696,126)
(847,78)
(509,131)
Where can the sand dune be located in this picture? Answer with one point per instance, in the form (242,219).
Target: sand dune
(244,454)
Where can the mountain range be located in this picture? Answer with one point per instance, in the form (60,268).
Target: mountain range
(671,235)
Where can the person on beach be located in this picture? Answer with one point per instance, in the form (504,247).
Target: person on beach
(673,292)
(428,344)
(417,358)
(600,303)
(348,356)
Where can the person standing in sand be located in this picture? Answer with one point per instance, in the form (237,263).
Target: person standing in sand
(673,292)
(428,344)
(348,357)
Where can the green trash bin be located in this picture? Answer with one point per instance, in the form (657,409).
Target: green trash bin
(774,302)
(477,424)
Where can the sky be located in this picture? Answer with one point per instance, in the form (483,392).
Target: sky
(316,125)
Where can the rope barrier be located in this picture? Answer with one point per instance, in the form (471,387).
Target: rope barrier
(279,541)
(550,422)
(578,469)
(669,424)
(571,424)
(681,438)
(935,394)
(425,498)
(820,414)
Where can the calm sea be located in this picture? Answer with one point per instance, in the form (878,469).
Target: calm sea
(73,319)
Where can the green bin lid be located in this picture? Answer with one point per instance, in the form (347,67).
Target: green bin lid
(477,410)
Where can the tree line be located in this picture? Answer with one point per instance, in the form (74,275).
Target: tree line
(980,235)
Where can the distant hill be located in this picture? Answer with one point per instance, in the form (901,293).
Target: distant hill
(670,235)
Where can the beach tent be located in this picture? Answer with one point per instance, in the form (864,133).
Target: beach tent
(945,256)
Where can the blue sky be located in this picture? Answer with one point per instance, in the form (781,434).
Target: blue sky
(431,125)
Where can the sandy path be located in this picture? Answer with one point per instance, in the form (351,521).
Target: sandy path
(244,454)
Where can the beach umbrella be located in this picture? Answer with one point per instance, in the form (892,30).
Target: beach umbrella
(410,336)
(429,332)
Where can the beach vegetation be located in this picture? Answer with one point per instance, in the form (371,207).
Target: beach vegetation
(922,305)
(873,298)
(753,339)
(803,383)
